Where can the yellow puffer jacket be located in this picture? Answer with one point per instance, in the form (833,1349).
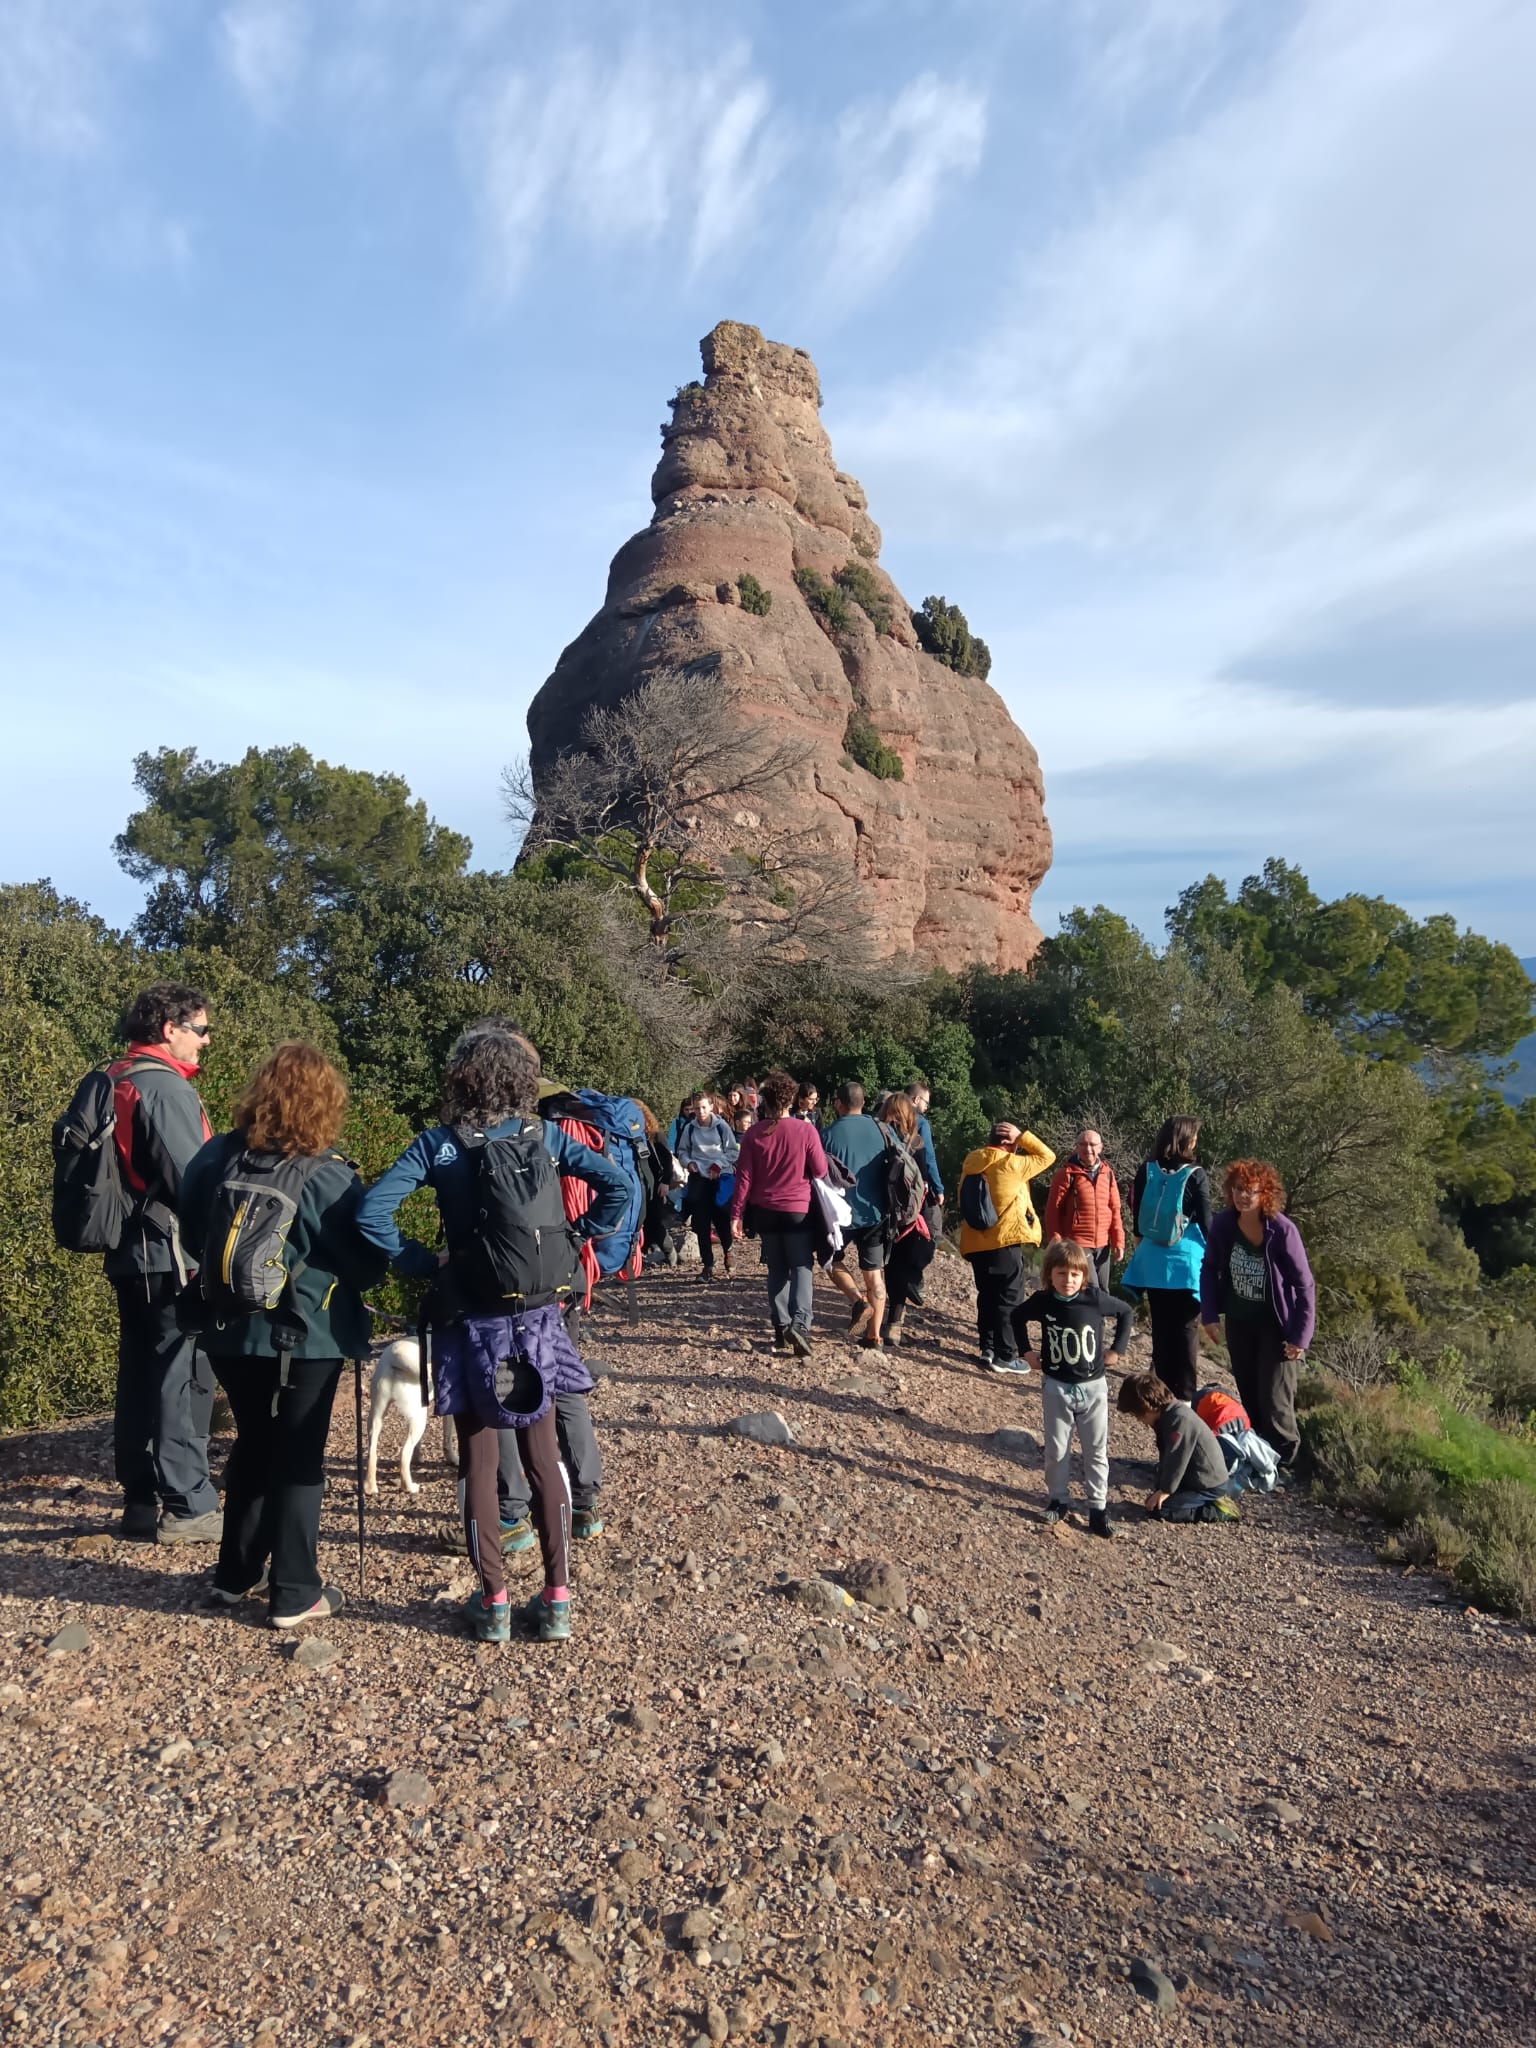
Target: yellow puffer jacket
(1008,1175)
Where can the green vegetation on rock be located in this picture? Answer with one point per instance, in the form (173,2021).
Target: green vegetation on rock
(753,596)
(867,750)
(828,605)
(862,586)
(943,632)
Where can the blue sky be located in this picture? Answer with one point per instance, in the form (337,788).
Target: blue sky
(1190,345)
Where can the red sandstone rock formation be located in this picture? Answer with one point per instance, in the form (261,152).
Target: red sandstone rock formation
(746,486)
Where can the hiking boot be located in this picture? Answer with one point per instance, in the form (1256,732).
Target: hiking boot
(860,1321)
(487,1621)
(800,1341)
(586,1523)
(547,1621)
(1099,1523)
(1222,1509)
(449,1538)
(331,1602)
(515,1537)
(893,1331)
(220,1596)
(141,1521)
(780,1343)
(984,1358)
(207,1528)
(707,1273)
(915,1295)
(1055,1511)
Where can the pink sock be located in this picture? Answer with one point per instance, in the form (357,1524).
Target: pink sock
(557,1592)
(497,1599)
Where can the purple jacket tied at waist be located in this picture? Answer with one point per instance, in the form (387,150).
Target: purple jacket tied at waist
(530,1354)
(1292,1291)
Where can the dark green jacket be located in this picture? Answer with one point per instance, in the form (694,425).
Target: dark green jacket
(338,1262)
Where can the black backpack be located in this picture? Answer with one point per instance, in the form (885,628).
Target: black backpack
(91,1200)
(976,1203)
(523,1251)
(247,1267)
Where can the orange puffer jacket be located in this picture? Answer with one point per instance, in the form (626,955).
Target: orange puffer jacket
(1085,1211)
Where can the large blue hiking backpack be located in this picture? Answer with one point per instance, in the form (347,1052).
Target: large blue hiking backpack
(621,1130)
(1161,1218)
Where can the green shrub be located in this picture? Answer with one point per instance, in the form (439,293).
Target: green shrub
(862,587)
(828,605)
(1499,1568)
(871,753)
(753,596)
(943,632)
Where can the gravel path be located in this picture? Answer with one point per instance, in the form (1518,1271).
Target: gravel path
(1199,1785)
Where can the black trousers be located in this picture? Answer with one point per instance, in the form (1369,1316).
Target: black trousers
(1176,1338)
(275,1478)
(164,1401)
(905,1264)
(1103,1258)
(1266,1383)
(999,1291)
(709,1222)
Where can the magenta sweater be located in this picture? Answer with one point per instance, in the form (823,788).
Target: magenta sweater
(777,1163)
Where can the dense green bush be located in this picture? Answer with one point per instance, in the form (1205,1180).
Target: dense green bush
(829,607)
(753,596)
(867,750)
(862,586)
(943,632)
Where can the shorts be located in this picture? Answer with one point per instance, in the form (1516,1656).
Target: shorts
(869,1240)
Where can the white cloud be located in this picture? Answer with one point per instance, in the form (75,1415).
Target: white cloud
(59,66)
(1134,47)
(262,45)
(620,150)
(892,165)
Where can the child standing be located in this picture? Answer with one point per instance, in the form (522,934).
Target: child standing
(1192,1483)
(1070,1308)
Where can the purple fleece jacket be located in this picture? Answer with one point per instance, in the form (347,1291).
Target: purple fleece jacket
(1292,1291)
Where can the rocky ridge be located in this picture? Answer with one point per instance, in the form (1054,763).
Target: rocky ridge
(950,854)
(848,1749)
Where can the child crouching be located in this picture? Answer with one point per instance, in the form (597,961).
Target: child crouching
(1070,1308)
(1192,1481)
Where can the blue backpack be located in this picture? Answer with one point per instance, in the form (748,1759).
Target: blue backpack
(1161,1219)
(622,1128)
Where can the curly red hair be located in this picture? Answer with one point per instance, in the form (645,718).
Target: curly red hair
(293,1103)
(1255,1173)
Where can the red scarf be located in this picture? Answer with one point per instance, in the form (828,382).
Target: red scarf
(161,1052)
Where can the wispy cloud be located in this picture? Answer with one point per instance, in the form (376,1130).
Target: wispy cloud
(620,150)
(60,62)
(893,162)
(262,46)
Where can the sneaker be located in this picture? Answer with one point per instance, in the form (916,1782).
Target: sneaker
(984,1359)
(1099,1523)
(515,1537)
(141,1521)
(1015,1367)
(220,1596)
(207,1528)
(708,1273)
(1224,1509)
(780,1343)
(800,1341)
(547,1621)
(331,1601)
(586,1523)
(487,1621)
(860,1321)
(1055,1511)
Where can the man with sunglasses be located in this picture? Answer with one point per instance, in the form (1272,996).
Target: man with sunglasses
(164,1388)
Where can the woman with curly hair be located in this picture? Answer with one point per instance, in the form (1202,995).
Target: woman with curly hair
(1256,1278)
(280,1369)
(501,1359)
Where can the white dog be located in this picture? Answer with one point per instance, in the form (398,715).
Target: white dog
(397,1384)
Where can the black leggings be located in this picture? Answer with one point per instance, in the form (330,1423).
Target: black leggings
(1266,1383)
(275,1477)
(1175,1338)
(549,1494)
(709,1222)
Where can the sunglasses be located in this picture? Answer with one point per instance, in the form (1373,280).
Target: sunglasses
(197,1030)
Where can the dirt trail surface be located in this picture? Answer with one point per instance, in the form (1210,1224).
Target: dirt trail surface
(1195,1785)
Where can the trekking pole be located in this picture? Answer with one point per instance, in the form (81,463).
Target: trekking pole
(357,1411)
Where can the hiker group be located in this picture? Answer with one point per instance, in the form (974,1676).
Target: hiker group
(243,1258)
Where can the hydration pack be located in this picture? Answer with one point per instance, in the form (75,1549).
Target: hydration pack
(248,1265)
(906,1192)
(1161,1219)
(976,1203)
(522,1253)
(92,1201)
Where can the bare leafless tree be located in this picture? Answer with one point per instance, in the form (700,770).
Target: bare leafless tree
(671,796)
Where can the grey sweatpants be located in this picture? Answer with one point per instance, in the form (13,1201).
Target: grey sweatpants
(1066,1405)
(578,1453)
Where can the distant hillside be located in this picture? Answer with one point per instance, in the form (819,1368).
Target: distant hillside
(1522,1081)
